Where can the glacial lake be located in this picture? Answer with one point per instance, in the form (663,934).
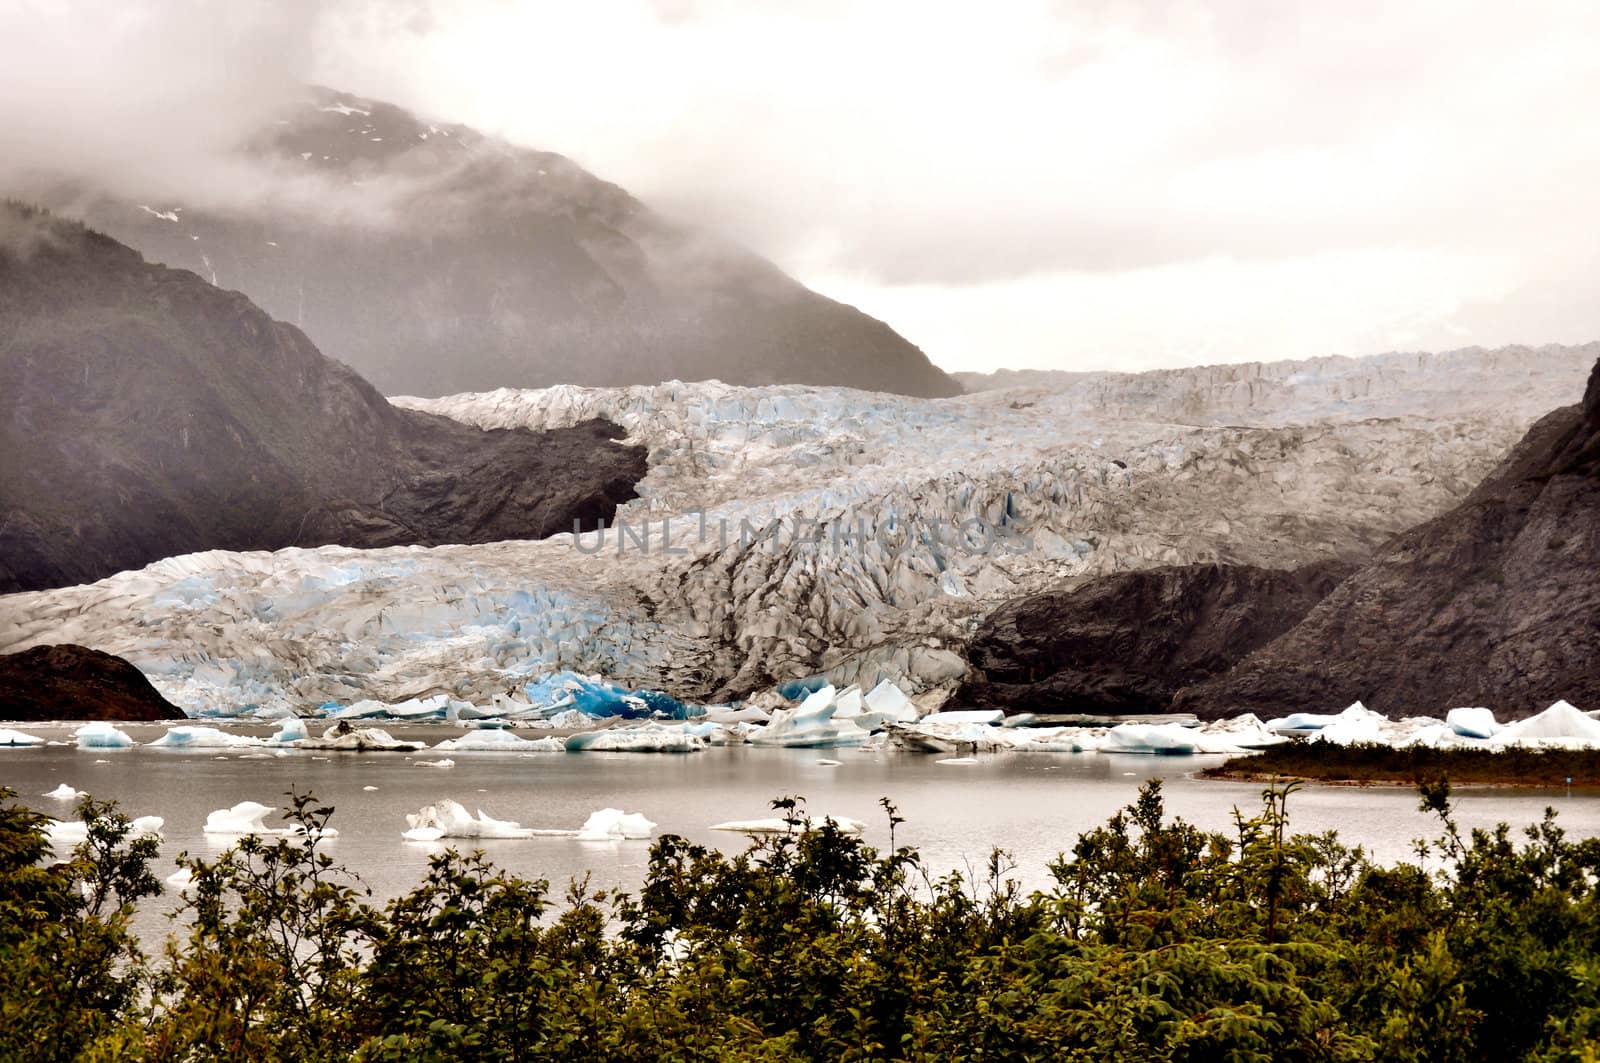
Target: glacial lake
(1033,805)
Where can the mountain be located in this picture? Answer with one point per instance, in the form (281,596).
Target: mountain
(145,413)
(434,260)
(76,683)
(1127,642)
(1494,603)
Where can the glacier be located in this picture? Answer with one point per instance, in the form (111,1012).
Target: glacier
(797,537)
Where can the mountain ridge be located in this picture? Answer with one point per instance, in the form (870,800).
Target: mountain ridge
(1491,603)
(435,259)
(146,413)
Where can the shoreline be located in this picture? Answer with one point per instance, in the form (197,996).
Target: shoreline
(1370,765)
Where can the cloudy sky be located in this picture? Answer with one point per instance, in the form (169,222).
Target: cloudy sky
(1076,184)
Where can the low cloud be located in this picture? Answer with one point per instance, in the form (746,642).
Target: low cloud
(990,181)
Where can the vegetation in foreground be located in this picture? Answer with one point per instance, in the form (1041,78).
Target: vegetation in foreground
(1157,941)
(1371,763)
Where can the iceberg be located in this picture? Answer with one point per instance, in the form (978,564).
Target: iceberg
(291,730)
(449,819)
(1247,731)
(613,824)
(598,699)
(181,879)
(433,708)
(1356,725)
(847,703)
(1473,723)
(645,738)
(366,709)
(1561,726)
(341,736)
(810,725)
(958,761)
(186,737)
(497,741)
(1164,738)
(890,702)
(146,826)
(8,737)
(101,735)
(443,762)
(64,835)
(65,793)
(243,818)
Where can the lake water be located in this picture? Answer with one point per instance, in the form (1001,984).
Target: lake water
(1033,805)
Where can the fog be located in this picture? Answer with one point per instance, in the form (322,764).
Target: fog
(1057,185)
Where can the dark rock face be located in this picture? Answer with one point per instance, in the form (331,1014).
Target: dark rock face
(76,683)
(1126,643)
(1496,603)
(465,263)
(145,413)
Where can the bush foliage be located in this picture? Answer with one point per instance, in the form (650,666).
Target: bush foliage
(1156,941)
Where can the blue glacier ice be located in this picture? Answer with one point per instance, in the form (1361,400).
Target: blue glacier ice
(101,735)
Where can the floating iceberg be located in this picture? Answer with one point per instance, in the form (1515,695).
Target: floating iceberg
(146,826)
(1056,739)
(847,702)
(1247,731)
(1149,738)
(613,824)
(646,738)
(810,725)
(890,702)
(101,735)
(291,730)
(65,793)
(64,835)
(341,736)
(246,818)
(496,741)
(598,699)
(243,818)
(181,879)
(187,737)
(1356,725)
(433,708)
(1560,726)
(8,737)
(449,819)
(443,762)
(1473,723)
(958,761)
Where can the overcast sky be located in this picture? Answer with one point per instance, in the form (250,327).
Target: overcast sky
(1097,184)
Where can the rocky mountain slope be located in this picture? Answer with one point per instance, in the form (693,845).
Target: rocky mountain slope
(77,683)
(434,259)
(1494,603)
(145,413)
(1128,642)
(786,531)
